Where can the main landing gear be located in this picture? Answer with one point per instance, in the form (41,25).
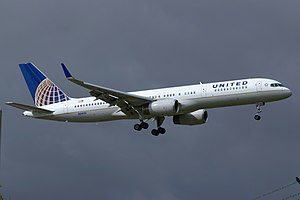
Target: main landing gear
(142,125)
(258,110)
(159,129)
(155,132)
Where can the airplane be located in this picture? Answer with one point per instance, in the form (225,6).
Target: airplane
(186,104)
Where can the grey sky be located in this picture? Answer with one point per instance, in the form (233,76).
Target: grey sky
(140,44)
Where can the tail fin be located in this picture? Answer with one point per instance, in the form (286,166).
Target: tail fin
(43,90)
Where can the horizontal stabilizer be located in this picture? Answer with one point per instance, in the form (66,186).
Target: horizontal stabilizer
(29,108)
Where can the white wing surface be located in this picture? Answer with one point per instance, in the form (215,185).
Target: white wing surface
(126,101)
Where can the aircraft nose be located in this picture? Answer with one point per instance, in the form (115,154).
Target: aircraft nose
(288,92)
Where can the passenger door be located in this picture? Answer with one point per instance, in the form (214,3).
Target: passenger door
(259,86)
(204,91)
(65,109)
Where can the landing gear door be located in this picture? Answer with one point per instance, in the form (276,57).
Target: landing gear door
(259,86)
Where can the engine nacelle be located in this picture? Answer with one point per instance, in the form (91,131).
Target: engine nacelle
(194,118)
(162,107)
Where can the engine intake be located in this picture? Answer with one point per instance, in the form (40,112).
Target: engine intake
(162,107)
(194,118)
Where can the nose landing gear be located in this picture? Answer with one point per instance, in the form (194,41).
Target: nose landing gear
(258,110)
(257,117)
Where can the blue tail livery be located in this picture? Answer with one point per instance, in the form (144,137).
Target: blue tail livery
(42,89)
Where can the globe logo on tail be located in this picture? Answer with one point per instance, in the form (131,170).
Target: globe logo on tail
(48,93)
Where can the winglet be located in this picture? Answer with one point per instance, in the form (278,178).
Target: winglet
(66,71)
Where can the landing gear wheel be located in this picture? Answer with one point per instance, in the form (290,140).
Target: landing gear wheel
(155,132)
(161,130)
(257,117)
(137,127)
(144,125)
(258,110)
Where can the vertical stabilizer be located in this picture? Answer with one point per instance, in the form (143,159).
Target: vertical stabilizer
(43,91)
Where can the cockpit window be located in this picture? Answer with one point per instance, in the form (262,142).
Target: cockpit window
(276,85)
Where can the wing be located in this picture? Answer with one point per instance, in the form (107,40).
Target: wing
(29,108)
(126,101)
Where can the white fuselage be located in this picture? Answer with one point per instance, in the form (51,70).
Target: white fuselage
(190,98)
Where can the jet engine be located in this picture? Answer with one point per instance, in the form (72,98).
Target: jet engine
(162,107)
(193,118)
